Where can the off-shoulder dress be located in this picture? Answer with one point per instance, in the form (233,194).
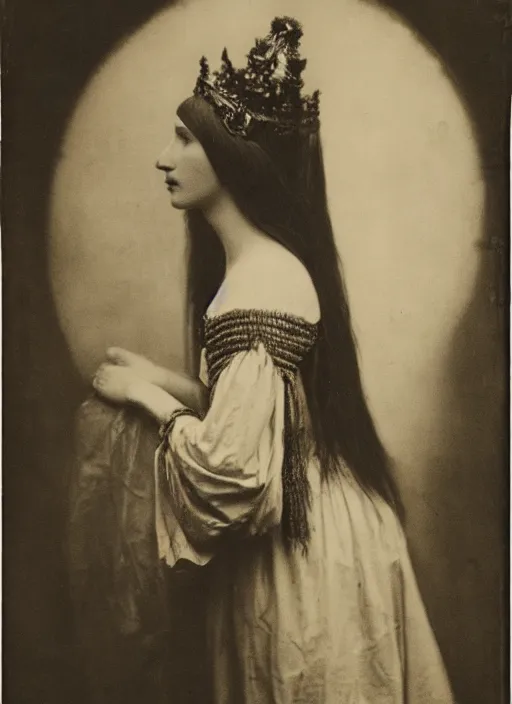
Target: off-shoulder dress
(343,623)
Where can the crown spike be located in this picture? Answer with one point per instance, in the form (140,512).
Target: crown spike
(289,26)
(225,58)
(205,69)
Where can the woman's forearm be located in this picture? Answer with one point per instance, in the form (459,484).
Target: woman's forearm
(157,402)
(191,392)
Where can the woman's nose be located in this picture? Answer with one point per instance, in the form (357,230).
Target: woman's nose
(165,161)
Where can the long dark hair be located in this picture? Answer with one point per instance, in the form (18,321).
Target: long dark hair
(278,183)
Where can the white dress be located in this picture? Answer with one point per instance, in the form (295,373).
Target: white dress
(344,624)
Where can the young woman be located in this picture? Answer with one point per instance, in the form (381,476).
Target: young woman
(275,474)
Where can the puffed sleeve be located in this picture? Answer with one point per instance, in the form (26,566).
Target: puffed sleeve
(223,473)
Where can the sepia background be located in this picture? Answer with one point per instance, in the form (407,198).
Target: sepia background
(414,124)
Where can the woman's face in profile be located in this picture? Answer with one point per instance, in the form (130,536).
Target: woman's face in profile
(189,176)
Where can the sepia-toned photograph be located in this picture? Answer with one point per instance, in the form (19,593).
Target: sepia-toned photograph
(255,351)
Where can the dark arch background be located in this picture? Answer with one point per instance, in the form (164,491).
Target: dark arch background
(50,48)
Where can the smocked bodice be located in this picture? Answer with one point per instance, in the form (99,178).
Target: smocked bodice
(287,338)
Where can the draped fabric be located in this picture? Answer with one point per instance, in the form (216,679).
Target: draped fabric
(129,611)
(342,624)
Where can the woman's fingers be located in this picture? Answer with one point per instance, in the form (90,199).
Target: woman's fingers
(122,357)
(100,374)
(117,355)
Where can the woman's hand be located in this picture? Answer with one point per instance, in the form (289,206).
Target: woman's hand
(116,383)
(139,365)
(190,392)
(122,385)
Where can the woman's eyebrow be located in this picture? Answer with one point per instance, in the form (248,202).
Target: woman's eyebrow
(182,132)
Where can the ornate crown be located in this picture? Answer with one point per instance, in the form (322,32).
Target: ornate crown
(268,90)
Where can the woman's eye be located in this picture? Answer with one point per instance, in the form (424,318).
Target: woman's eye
(183,137)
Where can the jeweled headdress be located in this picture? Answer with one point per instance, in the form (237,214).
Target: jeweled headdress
(268,90)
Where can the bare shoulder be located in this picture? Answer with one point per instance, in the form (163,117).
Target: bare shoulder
(274,279)
(289,284)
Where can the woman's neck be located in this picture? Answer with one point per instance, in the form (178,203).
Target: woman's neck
(237,235)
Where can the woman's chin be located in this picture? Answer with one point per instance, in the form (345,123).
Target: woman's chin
(178,203)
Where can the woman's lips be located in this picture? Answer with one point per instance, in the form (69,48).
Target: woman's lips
(171,184)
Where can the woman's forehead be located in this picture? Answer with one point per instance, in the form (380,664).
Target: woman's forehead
(181,128)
